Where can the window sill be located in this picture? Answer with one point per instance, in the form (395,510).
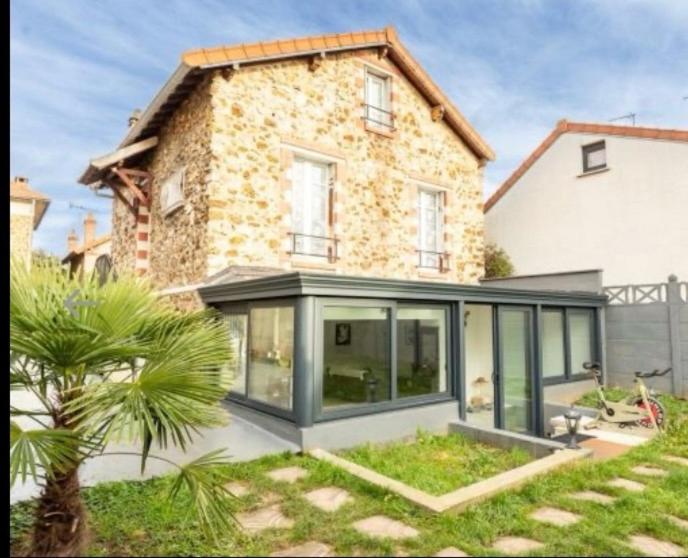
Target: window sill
(391,134)
(301,261)
(596,171)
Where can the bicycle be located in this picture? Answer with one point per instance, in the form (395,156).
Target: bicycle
(640,409)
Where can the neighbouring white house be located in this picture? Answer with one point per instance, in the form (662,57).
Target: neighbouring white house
(597,196)
(93,253)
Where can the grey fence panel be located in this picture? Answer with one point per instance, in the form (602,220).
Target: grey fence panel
(647,328)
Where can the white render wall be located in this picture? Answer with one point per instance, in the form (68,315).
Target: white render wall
(631,221)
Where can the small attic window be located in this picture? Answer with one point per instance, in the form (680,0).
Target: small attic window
(172,192)
(594,156)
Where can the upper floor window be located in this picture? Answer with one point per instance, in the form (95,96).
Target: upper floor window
(594,156)
(431,228)
(312,207)
(378,99)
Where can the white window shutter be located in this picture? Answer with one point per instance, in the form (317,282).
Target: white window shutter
(172,191)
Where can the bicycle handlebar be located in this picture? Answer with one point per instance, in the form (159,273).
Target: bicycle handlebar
(653,374)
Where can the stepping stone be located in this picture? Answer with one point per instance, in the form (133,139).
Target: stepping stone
(516,545)
(328,499)
(264,518)
(682,523)
(592,496)
(675,459)
(383,527)
(555,516)
(649,471)
(270,498)
(237,489)
(627,484)
(288,474)
(650,546)
(451,551)
(311,548)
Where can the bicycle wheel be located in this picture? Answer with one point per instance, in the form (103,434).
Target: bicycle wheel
(656,408)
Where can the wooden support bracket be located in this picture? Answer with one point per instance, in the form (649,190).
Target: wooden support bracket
(116,188)
(314,62)
(437,113)
(125,176)
(382,52)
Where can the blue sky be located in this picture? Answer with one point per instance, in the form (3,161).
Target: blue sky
(513,67)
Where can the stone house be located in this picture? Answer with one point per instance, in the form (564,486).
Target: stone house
(27,208)
(326,196)
(92,254)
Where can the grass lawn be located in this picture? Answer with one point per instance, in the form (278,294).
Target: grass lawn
(133,518)
(437,464)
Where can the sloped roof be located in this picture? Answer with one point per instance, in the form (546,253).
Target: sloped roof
(80,250)
(195,63)
(563,127)
(20,190)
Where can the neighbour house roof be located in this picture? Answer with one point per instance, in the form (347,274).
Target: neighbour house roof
(20,190)
(564,126)
(81,250)
(196,63)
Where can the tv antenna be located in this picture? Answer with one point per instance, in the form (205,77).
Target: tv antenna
(630,116)
(84,208)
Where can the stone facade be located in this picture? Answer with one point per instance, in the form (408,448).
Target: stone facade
(21,231)
(238,134)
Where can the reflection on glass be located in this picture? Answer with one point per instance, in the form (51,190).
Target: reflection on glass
(356,356)
(479,364)
(553,363)
(580,339)
(421,351)
(515,332)
(237,325)
(272,356)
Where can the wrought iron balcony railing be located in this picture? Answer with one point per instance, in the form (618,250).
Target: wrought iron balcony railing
(378,116)
(314,245)
(430,259)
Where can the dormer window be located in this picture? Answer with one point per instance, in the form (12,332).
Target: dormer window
(594,156)
(378,100)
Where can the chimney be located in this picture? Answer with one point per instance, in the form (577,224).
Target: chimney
(134,118)
(72,240)
(89,229)
(21,179)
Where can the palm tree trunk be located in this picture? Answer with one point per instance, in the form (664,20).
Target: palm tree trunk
(60,526)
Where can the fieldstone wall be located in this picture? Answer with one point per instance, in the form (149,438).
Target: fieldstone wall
(21,233)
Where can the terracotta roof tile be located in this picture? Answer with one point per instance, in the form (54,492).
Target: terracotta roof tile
(564,126)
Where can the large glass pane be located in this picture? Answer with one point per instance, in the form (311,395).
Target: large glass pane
(356,356)
(421,351)
(580,338)
(272,355)
(516,368)
(478,344)
(553,363)
(237,325)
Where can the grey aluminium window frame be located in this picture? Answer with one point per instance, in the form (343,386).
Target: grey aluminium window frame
(592,148)
(320,414)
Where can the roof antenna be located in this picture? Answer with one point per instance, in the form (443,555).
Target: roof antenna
(631,116)
(84,208)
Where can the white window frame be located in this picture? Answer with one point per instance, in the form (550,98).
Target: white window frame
(428,260)
(174,183)
(378,118)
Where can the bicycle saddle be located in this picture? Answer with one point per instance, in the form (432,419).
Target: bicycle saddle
(591,365)
(652,374)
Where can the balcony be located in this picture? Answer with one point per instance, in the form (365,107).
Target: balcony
(314,245)
(428,259)
(378,117)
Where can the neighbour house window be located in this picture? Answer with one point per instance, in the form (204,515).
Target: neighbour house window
(594,156)
(378,99)
(172,192)
(311,208)
(271,355)
(431,229)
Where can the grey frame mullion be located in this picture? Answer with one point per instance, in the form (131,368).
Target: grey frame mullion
(498,395)
(567,345)
(458,345)
(537,379)
(392,352)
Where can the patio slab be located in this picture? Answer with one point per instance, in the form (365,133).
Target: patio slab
(649,471)
(676,459)
(649,546)
(592,496)
(627,484)
(681,523)
(555,516)
(450,552)
(288,474)
(237,489)
(264,518)
(311,548)
(328,499)
(380,526)
(516,545)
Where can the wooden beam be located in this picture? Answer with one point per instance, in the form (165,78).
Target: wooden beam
(124,153)
(133,187)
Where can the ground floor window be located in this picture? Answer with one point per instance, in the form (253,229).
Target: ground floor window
(480,365)
(581,336)
(237,326)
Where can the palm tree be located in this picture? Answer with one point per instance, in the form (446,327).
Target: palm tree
(104,364)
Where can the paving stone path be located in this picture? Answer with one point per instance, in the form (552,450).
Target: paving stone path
(592,496)
(681,523)
(380,526)
(516,545)
(649,471)
(237,489)
(288,474)
(450,552)
(650,546)
(675,459)
(627,484)
(264,518)
(312,548)
(555,516)
(328,499)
